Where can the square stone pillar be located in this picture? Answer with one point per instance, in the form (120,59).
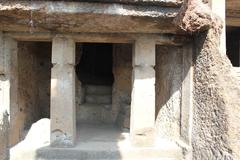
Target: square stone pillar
(63,119)
(142,118)
(4,103)
(9,86)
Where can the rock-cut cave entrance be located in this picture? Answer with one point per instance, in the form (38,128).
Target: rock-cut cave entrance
(94,63)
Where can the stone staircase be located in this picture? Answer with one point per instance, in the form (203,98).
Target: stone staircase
(97,105)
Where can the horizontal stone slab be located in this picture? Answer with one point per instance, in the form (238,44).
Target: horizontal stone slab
(36,16)
(171,3)
(160,39)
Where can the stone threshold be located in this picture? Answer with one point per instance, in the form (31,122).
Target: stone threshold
(99,142)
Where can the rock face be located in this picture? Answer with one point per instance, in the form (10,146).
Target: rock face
(34,85)
(216,129)
(168,91)
(216,126)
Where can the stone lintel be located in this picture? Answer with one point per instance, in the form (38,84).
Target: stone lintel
(233,21)
(169,3)
(85,17)
(143,94)
(160,39)
(63,119)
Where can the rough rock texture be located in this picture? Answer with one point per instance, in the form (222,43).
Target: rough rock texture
(28,110)
(34,85)
(168,91)
(216,130)
(194,16)
(34,81)
(122,70)
(59,16)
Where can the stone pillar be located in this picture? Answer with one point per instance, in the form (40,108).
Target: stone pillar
(8,95)
(9,80)
(187,99)
(4,109)
(63,119)
(218,7)
(143,93)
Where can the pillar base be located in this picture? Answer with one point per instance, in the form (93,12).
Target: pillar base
(59,139)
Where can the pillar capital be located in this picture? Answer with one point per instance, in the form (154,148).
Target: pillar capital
(144,51)
(64,50)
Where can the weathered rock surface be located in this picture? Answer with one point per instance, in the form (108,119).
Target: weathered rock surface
(216,129)
(46,16)
(168,91)
(194,16)
(172,3)
(122,70)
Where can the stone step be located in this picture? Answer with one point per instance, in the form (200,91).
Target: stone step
(92,113)
(109,154)
(98,99)
(98,89)
(94,142)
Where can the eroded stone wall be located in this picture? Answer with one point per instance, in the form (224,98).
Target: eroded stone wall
(34,83)
(216,131)
(168,91)
(43,69)
(27,85)
(122,70)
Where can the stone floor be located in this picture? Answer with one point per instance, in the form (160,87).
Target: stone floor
(96,142)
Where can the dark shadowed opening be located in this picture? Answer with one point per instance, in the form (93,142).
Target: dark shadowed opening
(95,66)
(232,43)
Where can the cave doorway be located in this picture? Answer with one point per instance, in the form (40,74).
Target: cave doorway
(95,65)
